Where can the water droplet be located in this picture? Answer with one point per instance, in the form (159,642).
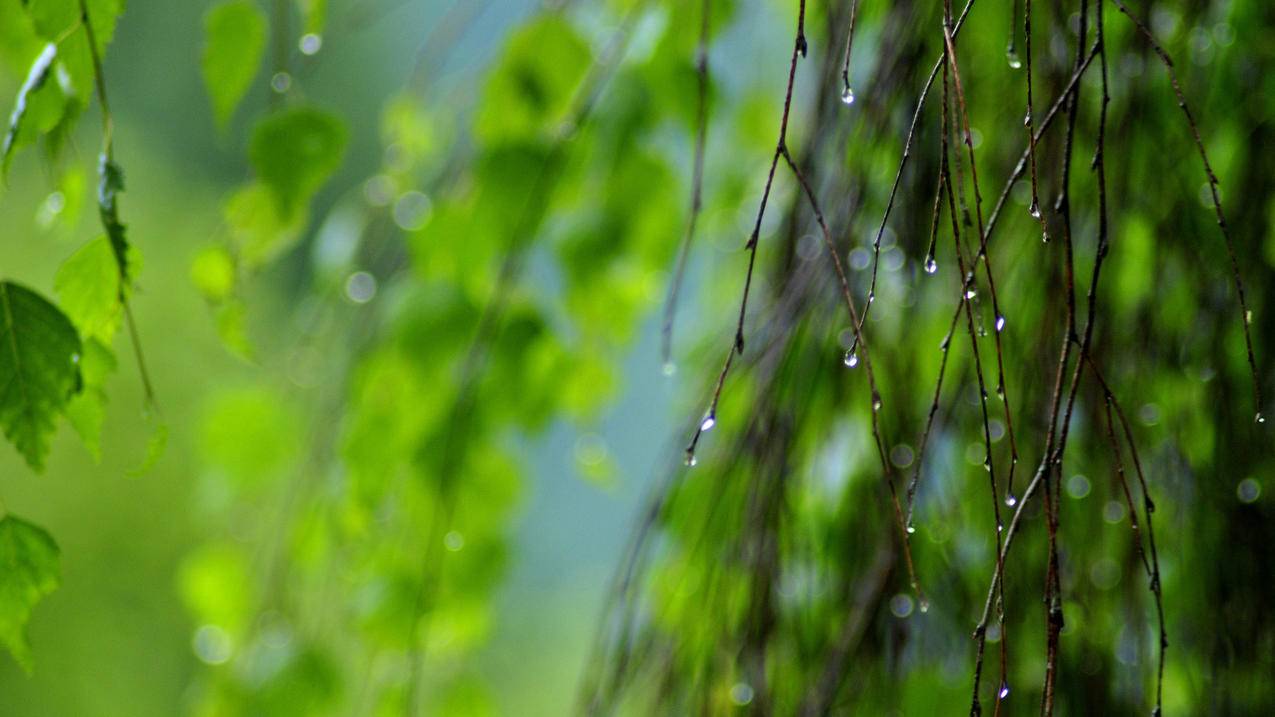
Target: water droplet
(311,43)
(851,360)
(1011,500)
(971,293)
(872,296)
(707,424)
(931,266)
(1000,324)
(1012,57)
(876,401)
(847,96)
(690,459)
(670,368)
(802,48)
(281,82)
(987,464)
(1259,418)
(1000,389)
(1248,316)
(1004,690)
(924,604)
(1034,210)
(1000,527)
(911,530)
(1027,119)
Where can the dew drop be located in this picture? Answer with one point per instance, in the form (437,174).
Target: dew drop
(690,459)
(847,96)
(971,293)
(924,605)
(851,360)
(670,368)
(707,424)
(1259,418)
(1000,323)
(872,296)
(931,266)
(1012,57)
(1034,210)
(281,82)
(1011,500)
(1004,690)
(911,530)
(1248,316)
(802,48)
(876,401)
(1027,119)
(1000,527)
(987,464)
(310,43)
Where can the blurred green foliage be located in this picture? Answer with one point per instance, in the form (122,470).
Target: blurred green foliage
(402,268)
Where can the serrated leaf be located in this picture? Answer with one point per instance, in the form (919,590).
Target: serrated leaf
(29,568)
(110,182)
(37,76)
(234,41)
(39,351)
(294,152)
(88,288)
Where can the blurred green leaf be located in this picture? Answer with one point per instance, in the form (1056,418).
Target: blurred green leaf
(531,88)
(234,41)
(294,152)
(39,353)
(29,567)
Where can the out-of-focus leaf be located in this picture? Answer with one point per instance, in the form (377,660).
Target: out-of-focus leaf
(216,585)
(314,15)
(250,434)
(29,567)
(213,273)
(294,152)
(88,288)
(259,228)
(532,86)
(39,353)
(234,41)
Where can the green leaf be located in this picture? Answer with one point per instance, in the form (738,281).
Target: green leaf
(531,89)
(294,152)
(39,354)
(28,572)
(88,288)
(36,78)
(257,226)
(314,15)
(87,409)
(110,182)
(234,41)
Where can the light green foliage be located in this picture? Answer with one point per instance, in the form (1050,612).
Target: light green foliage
(251,435)
(294,152)
(86,411)
(88,288)
(39,371)
(234,42)
(28,572)
(531,89)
